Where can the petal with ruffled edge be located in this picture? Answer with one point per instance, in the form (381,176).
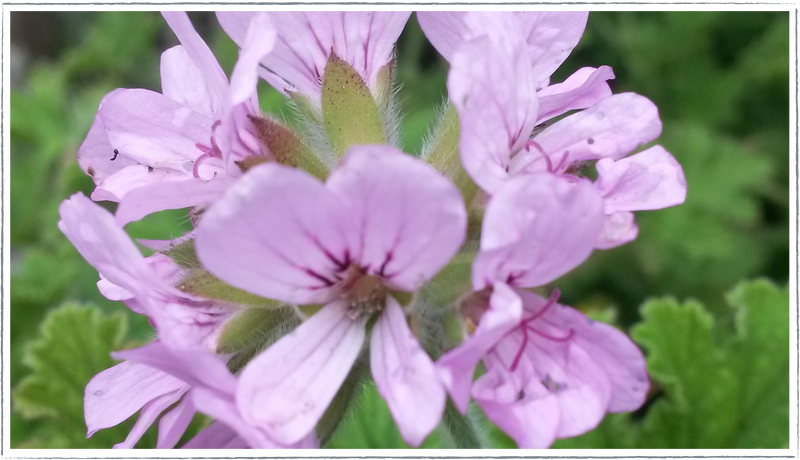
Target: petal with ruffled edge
(286,389)
(457,367)
(611,350)
(407,219)
(536,229)
(446,30)
(186,324)
(584,88)
(199,52)
(120,391)
(278,233)
(116,186)
(612,128)
(259,41)
(618,228)
(490,86)
(405,376)
(305,40)
(651,179)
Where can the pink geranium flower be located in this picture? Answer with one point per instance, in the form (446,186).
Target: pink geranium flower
(152,151)
(550,371)
(500,69)
(383,223)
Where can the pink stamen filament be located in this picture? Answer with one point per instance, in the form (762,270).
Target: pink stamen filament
(208,152)
(525,327)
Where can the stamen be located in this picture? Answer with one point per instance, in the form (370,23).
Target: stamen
(515,362)
(550,302)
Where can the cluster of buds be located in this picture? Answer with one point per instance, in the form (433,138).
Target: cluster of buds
(322,255)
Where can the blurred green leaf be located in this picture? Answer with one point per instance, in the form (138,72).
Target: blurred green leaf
(732,392)
(74,345)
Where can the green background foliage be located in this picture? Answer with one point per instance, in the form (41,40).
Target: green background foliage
(717,347)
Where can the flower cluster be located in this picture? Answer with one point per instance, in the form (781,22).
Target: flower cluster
(321,250)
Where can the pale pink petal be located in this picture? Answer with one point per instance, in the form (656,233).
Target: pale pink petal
(611,350)
(457,367)
(196,368)
(259,41)
(170,195)
(612,128)
(150,413)
(96,152)
(103,243)
(491,87)
(405,376)
(446,30)
(286,389)
(217,435)
(521,407)
(201,55)
(277,232)
(652,179)
(174,424)
(618,228)
(582,89)
(120,391)
(116,186)
(551,36)
(407,218)
(536,229)
(305,40)
(154,130)
(184,82)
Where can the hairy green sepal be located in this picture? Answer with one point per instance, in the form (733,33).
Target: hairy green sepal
(285,147)
(443,154)
(349,112)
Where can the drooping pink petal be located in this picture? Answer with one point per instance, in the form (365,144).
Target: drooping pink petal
(184,82)
(217,435)
(407,218)
(120,391)
(517,404)
(170,195)
(405,376)
(277,232)
(612,128)
(103,243)
(651,179)
(611,350)
(286,389)
(259,41)
(618,228)
(551,36)
(174,424)
(536,229)
(457,367)
(154,130)
(491,87)
(582,89)
(149,414)
(305,40)
(201,55)
(196,368)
